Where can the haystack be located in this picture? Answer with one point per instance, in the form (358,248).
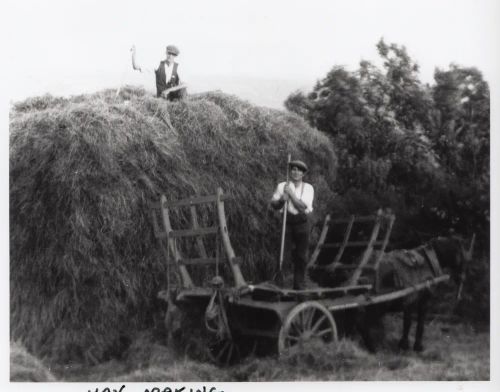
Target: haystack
(85,267)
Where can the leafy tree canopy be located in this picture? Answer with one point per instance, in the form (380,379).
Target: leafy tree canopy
(418,149)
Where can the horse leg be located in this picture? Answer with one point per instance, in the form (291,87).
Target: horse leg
(364,320)
(422,309)
(404,343)
(368,339)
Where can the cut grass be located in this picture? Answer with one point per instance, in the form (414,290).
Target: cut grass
(454,352)
(26,367)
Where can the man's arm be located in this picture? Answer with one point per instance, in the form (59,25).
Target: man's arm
(277,204)
(165,93)
(308,197)
(303,204)
(278,199)
(297,203)
(135,66)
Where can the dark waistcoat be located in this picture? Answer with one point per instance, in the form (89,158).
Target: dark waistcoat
(161,83)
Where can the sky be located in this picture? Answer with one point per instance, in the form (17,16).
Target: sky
(260,50)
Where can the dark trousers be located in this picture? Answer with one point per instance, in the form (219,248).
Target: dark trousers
(296,247)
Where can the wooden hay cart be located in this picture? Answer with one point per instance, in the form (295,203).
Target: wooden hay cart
(206,282)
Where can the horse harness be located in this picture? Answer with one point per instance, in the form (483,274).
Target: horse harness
(416,259)
(432,259)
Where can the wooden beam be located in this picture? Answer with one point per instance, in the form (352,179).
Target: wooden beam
(193,201)
(235,268)
(193,232)
(173,250)
(347,234)
(368,251)
(196,226)
(320,243)
(351,244)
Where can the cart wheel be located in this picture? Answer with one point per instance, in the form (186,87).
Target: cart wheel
(223,352)
(222,347)
(307,322)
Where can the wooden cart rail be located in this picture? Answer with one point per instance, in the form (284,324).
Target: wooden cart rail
(349,301)
(277,294)
(191,201)
(378,240)
(366,300)
(168,236)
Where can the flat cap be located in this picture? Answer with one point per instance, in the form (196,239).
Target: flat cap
(298,164)
(173,50)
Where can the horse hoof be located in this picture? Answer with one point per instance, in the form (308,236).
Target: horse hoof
(403,345)
(418,348)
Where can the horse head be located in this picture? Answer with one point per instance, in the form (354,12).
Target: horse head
(455,256)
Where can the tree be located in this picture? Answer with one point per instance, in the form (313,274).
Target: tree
(461,137)
(418,149)
(421,150)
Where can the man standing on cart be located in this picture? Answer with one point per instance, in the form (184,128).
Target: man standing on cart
(298,196)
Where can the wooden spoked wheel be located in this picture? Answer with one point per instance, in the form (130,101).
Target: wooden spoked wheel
(307,322)
(224,351)
(221,347)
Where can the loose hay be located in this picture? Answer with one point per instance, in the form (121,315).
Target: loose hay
(339,360)
(85,267)
(145,351)
(25,367)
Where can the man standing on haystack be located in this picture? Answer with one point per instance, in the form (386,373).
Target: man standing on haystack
(167,79)
(298,197)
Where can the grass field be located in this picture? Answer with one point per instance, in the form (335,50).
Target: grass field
(453,351)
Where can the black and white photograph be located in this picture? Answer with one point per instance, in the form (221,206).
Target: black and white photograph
(229,195)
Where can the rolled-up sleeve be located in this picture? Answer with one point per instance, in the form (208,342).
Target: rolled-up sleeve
(308,198)
(278,193)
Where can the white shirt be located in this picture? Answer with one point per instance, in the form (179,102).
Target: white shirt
(151,68)
(304,192)
(168,71)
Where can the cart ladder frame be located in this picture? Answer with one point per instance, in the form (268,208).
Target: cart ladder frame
(164,232)
(370,245)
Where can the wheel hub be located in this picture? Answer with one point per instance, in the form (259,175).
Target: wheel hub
(306,336)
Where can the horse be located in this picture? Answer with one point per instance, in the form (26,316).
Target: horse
(399,269)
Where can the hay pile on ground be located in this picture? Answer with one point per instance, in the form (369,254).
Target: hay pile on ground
(338,361)
(85,267)
(25,367)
